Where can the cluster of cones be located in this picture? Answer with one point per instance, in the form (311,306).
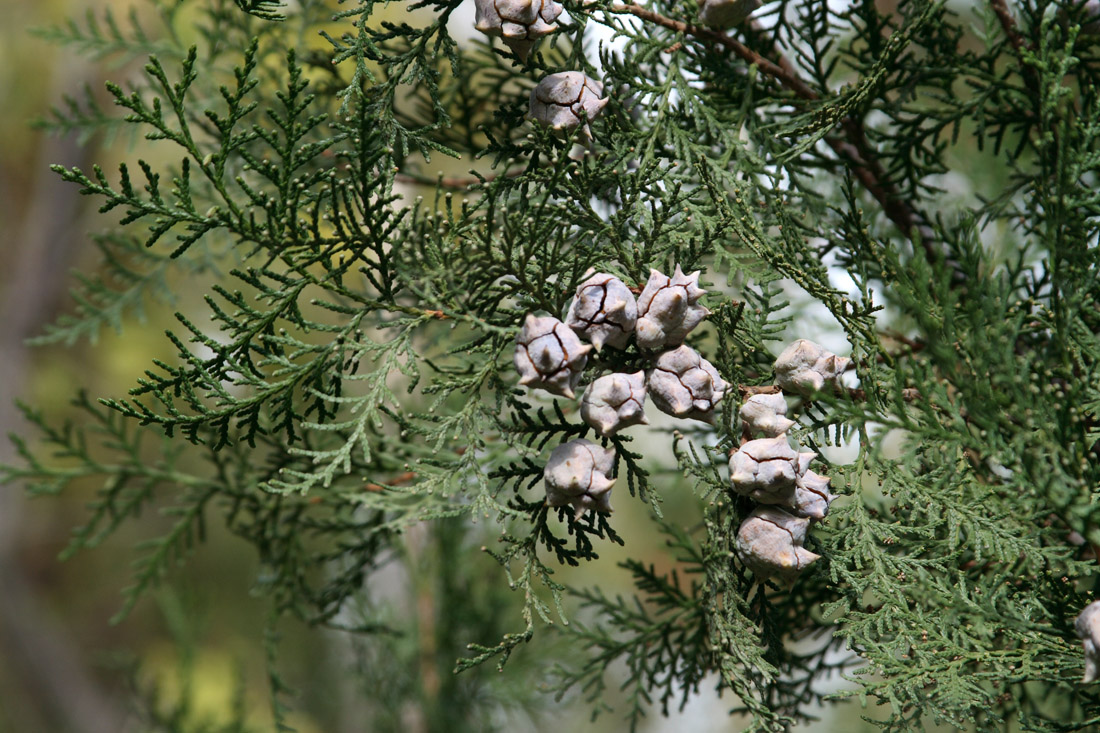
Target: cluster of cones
(562,101)
(771,472)
(550,355)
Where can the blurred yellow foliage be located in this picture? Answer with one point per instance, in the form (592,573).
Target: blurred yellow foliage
(210,680)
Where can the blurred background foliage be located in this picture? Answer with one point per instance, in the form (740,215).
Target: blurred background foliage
(195,656)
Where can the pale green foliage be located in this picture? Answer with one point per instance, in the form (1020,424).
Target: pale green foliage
(356,379)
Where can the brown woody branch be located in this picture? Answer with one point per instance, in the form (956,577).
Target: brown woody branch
(787,76)
(853,146)
(1008,24)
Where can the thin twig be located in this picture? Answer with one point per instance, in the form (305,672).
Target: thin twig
(402,478)
(908,394)
(456,183)
(1020,45)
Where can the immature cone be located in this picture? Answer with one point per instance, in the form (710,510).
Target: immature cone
(519,22)
(603,310)
(576,474)
(562,100)
(806,368)
(770,542)
(726,13)
(764,469)
(1088,629)
(549,355)
(668,309)
(764,413)
(614,402)
(684,384)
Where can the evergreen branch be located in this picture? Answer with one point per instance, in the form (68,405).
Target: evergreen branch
(534,572)
(661,637)
(166,214)
(1008,24)
(84,116)
(785,76)
(851,105)
(854,149)
(102,38)
(133,274)
(263,9)
(280,690)
(171,548)
(366,411)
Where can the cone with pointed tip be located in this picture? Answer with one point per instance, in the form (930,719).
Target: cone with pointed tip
(767,469)
(684,384)
(576,475)
(806,369)
(566,100)
(668,309)
(811,496)
(769,542)
(549,356)
(520,23)
(765,413)
(603,310)
(614,402)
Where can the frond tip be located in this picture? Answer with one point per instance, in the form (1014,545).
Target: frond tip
(264,9)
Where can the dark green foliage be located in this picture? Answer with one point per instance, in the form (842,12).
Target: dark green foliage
(354,388)
(266,9)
